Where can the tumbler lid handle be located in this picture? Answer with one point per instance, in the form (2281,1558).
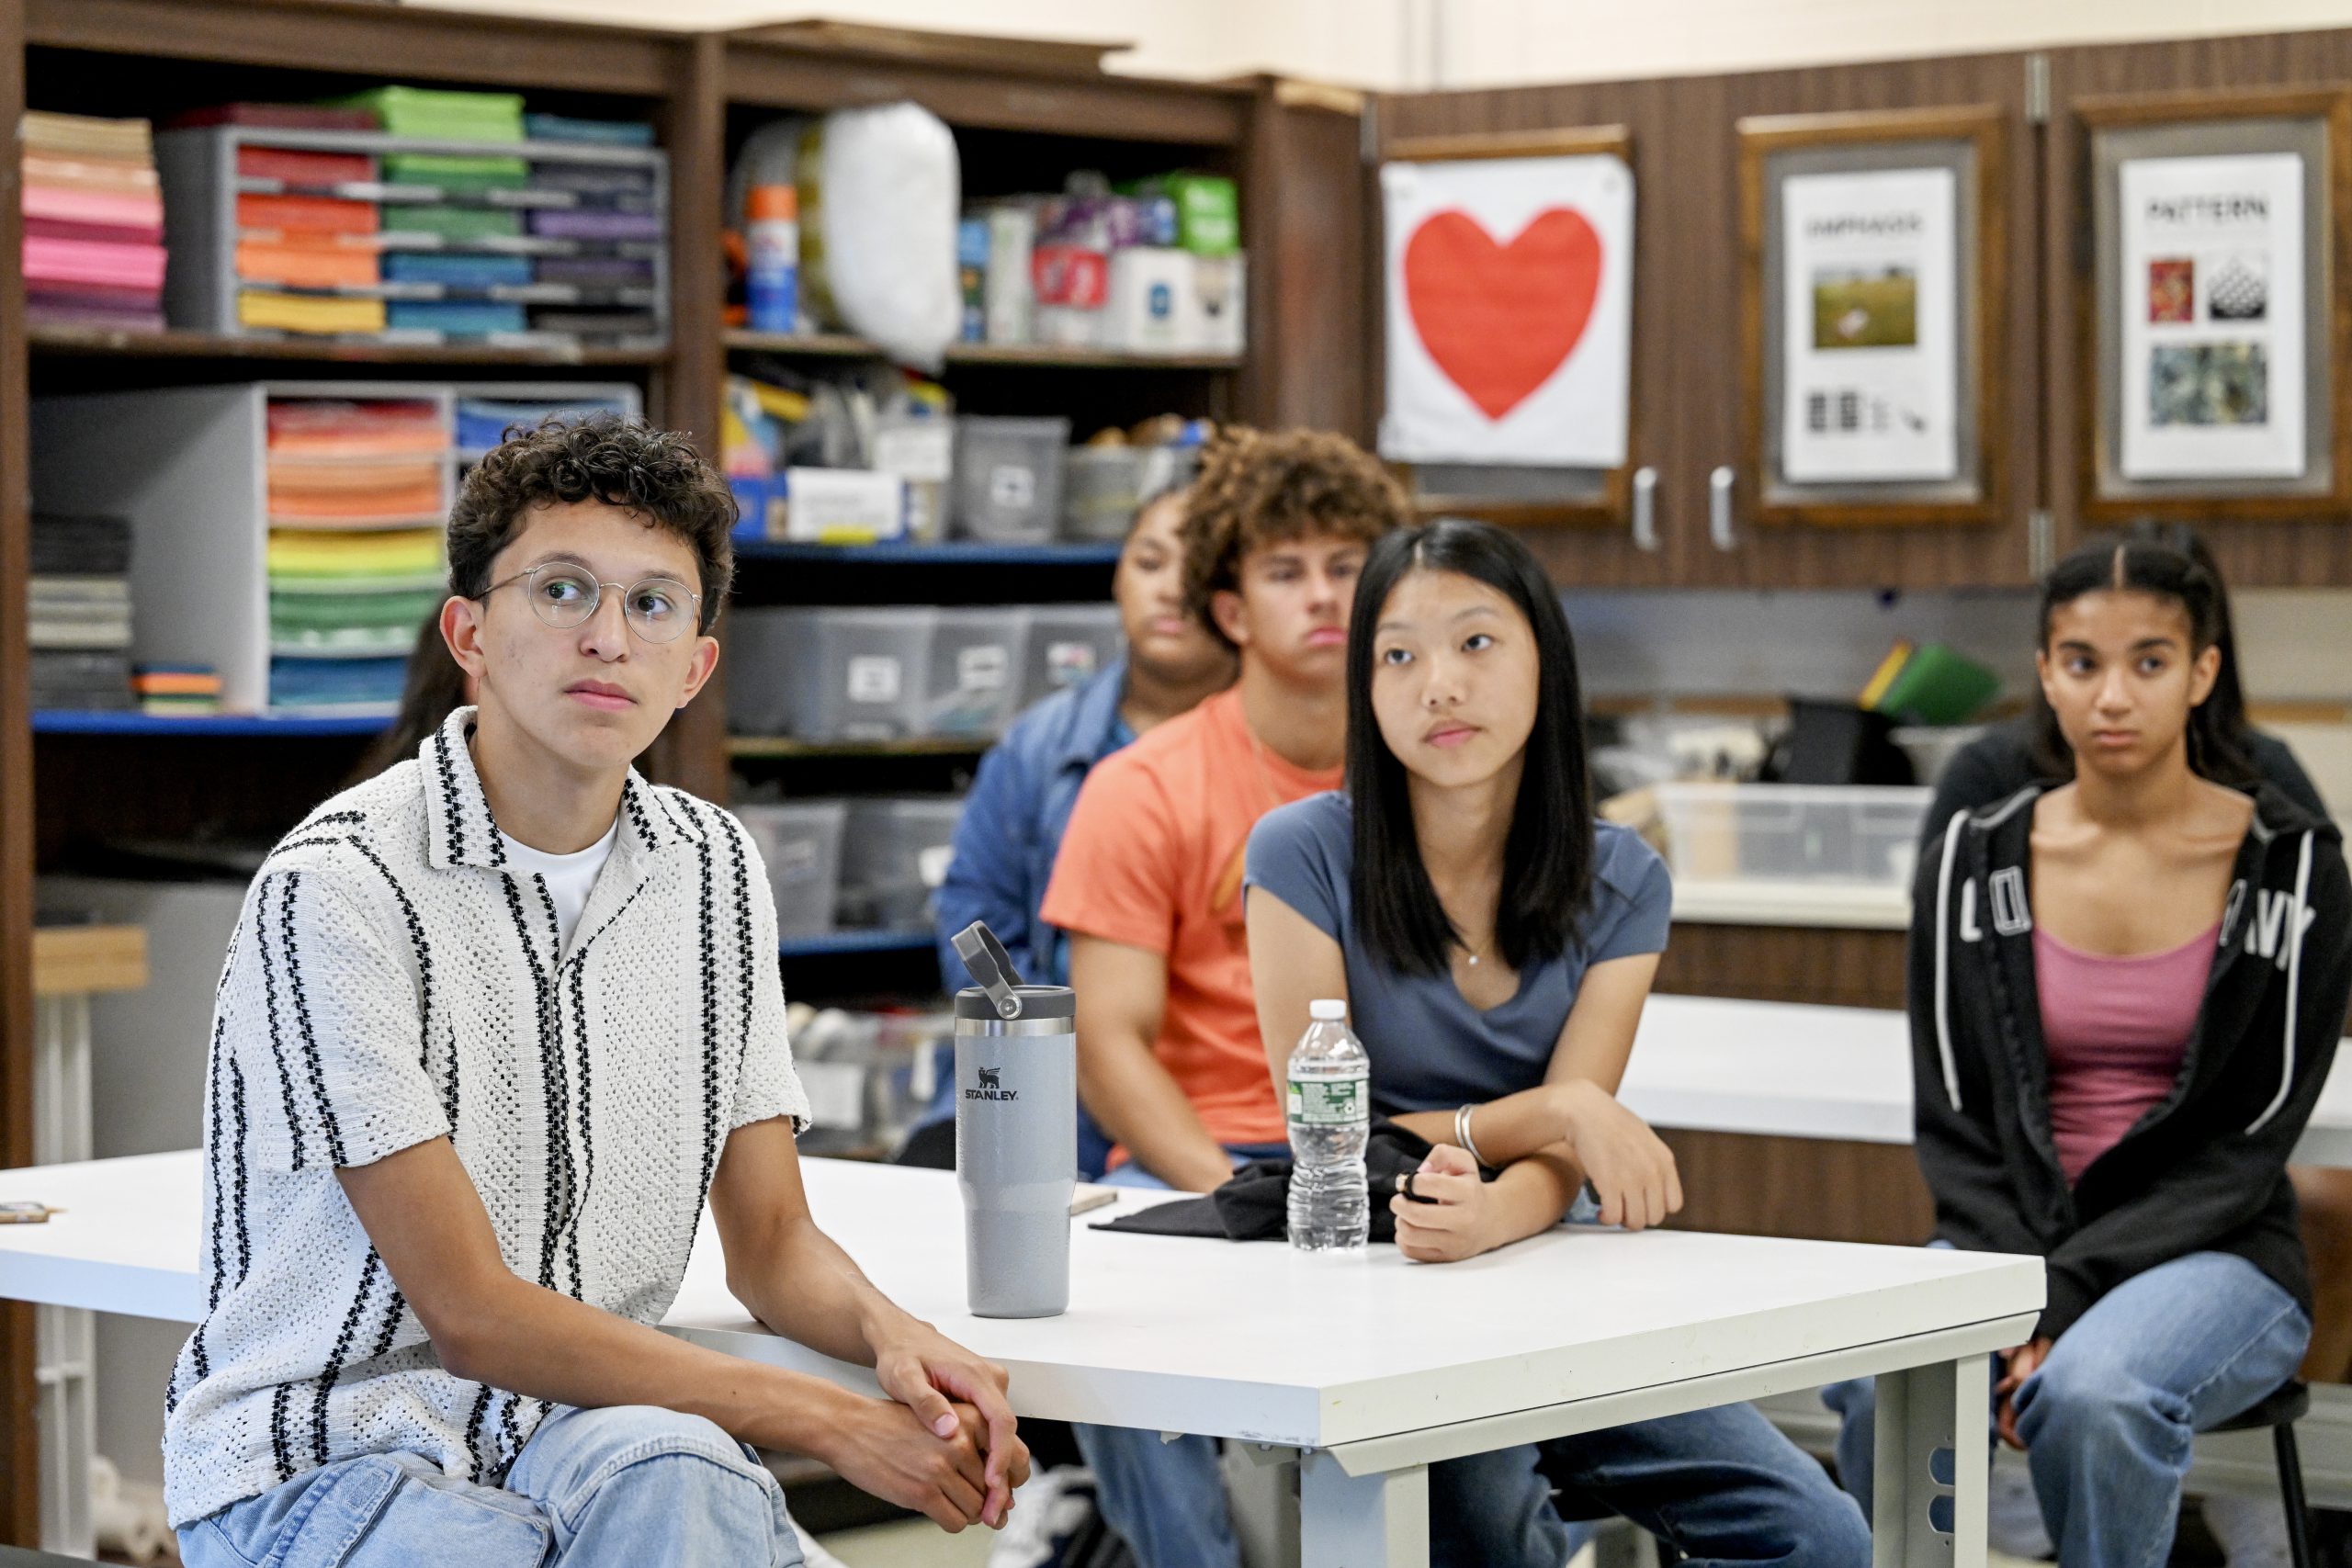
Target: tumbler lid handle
(991,967)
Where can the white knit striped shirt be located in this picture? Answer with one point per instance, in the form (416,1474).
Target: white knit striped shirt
(391,980)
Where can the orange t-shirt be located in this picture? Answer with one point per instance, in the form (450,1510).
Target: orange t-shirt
(1152,858)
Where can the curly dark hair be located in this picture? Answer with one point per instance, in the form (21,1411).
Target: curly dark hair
(1256,488)
(622,462)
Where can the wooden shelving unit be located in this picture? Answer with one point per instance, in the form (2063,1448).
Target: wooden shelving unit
(1023,117)
(88,342)
(1043,357)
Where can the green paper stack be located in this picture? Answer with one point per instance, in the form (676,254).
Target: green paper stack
(441,114)
(1933,685)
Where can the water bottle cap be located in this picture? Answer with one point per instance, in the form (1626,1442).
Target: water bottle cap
(1327,1009)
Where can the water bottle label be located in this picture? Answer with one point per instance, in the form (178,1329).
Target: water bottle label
(1328,1102)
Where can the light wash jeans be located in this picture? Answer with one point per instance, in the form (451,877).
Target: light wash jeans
(1720,1485)
(2107,1419)
(627,1486)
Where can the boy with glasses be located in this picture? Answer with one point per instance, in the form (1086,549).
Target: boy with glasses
(494,1026)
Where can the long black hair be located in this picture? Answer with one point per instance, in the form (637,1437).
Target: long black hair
(1548,854)
(2169,567)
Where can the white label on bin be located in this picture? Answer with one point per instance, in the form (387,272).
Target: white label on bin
(923,450)
(1013,487)
(794,860)
(843,506)
(982,669)
(932,865)
(1069,663)
(873,678)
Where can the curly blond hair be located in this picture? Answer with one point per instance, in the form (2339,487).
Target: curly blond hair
(1256,488)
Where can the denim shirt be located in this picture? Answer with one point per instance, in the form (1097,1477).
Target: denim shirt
(1012,825)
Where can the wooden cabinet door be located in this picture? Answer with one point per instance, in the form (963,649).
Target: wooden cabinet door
(1695,195)
(1592,551)
(2302,552)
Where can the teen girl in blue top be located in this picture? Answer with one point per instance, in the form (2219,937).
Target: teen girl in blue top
(1496,945)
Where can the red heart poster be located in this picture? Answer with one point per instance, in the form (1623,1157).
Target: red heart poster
(1508,310)
(1499,318)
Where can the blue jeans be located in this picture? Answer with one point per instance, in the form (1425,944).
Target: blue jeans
(2107,1419)
(629,1486)
(1721,1486)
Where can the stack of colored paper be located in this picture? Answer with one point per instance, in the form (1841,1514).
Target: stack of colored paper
(79,618)
(441,114)
(358,495)
(482,423)
(177,691)
(94,222)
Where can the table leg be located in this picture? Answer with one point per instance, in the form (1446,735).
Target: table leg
(1933,1456)
(1362,1521)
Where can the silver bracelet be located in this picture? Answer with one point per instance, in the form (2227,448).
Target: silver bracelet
(1462,1136)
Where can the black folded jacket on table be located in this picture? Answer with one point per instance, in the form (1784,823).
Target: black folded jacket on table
(1255,1204)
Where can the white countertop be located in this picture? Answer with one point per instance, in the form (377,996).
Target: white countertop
(1703,1064)
(1741,901)
(1251,1340)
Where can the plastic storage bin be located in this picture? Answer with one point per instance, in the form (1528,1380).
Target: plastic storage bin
(894,857)
(1068,644)
(974,683)
(802,846)
(828,674)
(1102,488)
(1009,478)
(1866,834)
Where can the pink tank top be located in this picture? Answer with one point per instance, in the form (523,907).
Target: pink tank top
(2116,1029)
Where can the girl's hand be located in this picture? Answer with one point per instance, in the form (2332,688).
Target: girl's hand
(1459,1225)
(2020,1364)
(1630,1168)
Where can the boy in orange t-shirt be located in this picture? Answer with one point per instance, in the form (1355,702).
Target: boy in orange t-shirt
(1149,879)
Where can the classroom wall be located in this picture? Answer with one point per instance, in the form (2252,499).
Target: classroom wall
(1479,43)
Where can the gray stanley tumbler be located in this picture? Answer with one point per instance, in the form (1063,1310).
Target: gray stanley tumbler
(1016,1133)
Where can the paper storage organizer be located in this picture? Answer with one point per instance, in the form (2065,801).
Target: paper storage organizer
(973,686)
(894,857)
(828,674)
(1068,645)
(801,844)
(290,548)
(291,232)
(1859,833)
(1007,482)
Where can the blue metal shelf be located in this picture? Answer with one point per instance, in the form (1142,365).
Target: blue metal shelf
(856,941)
(74,721)
(891,553)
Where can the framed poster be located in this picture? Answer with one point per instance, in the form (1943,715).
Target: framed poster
(2215,346)
(1872,305)
(1508,266)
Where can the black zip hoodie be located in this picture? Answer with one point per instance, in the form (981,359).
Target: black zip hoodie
(2203,1170)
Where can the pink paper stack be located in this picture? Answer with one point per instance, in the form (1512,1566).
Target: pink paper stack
(94,224)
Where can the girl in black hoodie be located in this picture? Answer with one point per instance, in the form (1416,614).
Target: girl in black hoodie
(2126,992)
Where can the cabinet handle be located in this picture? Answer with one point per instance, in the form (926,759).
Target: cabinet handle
(1645,509)
(1719,488)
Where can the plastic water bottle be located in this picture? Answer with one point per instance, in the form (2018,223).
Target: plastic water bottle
(1330,1115)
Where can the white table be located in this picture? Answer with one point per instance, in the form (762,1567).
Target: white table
(1793,1070)
(1368,1369)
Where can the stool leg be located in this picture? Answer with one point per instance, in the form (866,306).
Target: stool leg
(2291,1494)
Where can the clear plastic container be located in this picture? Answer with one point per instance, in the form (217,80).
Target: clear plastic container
(894,857)
(1068,645)
(1009,478)
(1102,488)
(1856,833)
(828,674)
(801,844)
(976,660)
